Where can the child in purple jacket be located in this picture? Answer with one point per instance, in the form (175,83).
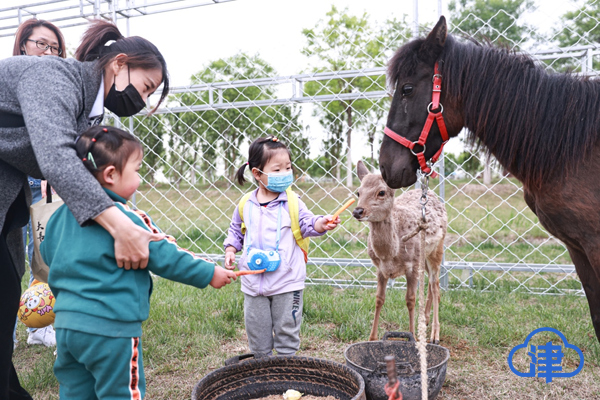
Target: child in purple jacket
(272,300)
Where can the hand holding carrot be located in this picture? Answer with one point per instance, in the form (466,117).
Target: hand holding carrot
(222,277)
(327,223)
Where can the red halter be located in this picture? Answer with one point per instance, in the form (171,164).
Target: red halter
(434,105)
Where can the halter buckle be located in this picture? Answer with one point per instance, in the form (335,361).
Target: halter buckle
(418,144)
(441,107)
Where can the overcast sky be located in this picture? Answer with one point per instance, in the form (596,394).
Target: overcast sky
(272,28)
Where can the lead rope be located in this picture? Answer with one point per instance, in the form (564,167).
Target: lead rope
(422,344)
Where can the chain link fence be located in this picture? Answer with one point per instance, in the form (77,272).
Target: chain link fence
(331,113)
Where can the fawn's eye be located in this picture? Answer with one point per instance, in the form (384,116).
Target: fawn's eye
(382,193)
(357,194)
(407,89)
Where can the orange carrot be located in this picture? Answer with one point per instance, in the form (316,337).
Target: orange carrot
(341,210)
(247,272)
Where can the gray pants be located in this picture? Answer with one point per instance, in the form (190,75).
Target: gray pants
(273,322)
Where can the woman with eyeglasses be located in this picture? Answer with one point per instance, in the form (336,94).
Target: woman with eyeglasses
(45,103)
(36,37)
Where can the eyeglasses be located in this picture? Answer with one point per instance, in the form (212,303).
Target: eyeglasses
(45,46)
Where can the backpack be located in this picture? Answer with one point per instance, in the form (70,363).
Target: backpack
(294,216)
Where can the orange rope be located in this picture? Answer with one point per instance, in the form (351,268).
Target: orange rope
(391,391)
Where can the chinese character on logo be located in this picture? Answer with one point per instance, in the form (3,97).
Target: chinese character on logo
(546,359)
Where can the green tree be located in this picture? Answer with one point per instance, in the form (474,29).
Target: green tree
(450,163)
(221,132)
(185,147)
(579,27)
(469,162)
(493,20)
(348,42)
(151,132)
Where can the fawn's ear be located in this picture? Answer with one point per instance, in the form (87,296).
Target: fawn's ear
(361,170)
(433,45)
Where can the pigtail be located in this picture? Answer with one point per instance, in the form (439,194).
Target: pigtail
(101,146)
(83,147)
(240,174)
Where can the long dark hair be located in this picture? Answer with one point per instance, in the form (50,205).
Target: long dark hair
(259,154)
(107,146)
(25,31)
(140,52)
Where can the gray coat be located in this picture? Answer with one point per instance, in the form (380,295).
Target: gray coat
(55,97)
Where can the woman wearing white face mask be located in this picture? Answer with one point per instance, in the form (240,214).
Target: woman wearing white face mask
(38,127)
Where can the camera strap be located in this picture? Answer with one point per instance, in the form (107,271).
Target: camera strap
(278,227)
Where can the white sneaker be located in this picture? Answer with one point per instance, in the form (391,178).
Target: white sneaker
(45,336)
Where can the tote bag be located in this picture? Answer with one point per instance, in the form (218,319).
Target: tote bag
(40,214)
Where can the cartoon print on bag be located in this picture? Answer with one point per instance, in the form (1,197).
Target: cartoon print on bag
(36,308)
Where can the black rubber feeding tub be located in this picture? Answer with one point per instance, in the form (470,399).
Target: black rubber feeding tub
(253,378)
(368,359)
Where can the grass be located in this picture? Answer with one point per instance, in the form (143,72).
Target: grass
(191,332)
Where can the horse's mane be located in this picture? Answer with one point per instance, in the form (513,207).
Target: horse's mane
(539,125)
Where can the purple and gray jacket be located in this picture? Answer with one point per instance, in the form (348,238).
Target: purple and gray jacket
(291,273)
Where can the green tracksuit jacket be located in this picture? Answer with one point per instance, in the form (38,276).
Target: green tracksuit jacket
(92,293)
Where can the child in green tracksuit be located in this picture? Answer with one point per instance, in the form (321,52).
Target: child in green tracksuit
(99,306)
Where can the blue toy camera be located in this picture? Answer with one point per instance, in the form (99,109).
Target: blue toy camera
(263,259)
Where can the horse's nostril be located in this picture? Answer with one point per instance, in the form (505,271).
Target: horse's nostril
(382,170)
(357,213)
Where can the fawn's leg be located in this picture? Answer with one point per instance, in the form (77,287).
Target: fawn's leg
(434,263)
(380,300)
(411,298)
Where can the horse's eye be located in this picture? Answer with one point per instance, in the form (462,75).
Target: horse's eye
(382,193)
(407,89)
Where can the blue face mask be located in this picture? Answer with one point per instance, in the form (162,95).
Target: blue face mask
(279,181)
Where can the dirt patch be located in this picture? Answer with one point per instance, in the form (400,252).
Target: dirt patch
(505,189)
(308,397)
(473,189)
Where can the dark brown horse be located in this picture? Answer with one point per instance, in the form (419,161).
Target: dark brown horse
(543,128)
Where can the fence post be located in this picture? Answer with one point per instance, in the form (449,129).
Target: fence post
(133,199)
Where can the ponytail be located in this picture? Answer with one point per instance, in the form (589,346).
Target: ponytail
(95,37)
(139,51)
(239,175)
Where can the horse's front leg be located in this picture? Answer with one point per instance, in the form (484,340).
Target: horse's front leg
(588,270)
